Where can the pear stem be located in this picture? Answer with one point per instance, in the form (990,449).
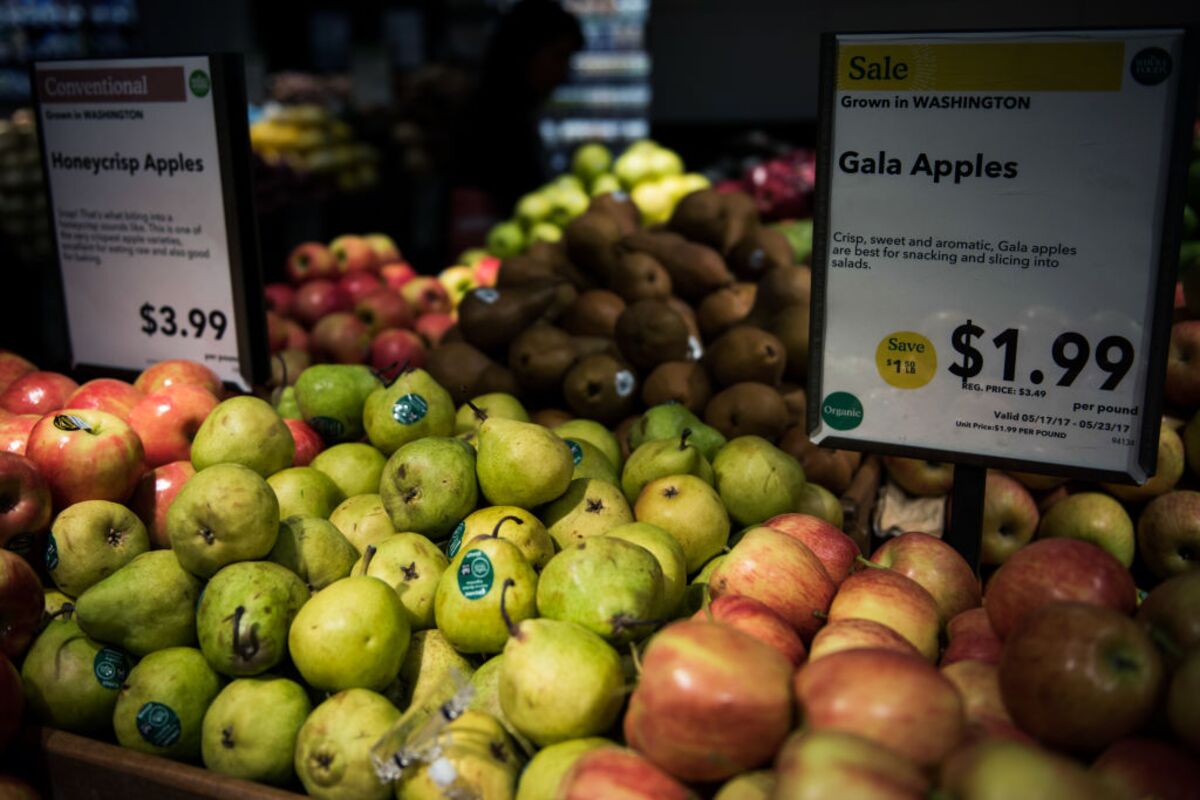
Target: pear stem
(65,612)
(248,649)
(283,366)
(683,437)
(480,414)
(367,556)
(496,530)
(508,622)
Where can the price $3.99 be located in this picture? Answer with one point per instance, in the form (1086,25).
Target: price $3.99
(1071,352)
(162,321)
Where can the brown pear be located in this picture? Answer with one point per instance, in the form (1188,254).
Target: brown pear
(796,400)
(490,318)
(780,289)
(466,372)
(594,313)
(695,269)
(724,308)
(639,276)
(650,332)
(700,216)
(747,409)
(684,382)
(551,417)
(790,326)
(760,251)
(523,270)
(688,316)
(741,217)
(620,208)
(746,353)
(542,354)
(624,427)
(600,387)
(591,241)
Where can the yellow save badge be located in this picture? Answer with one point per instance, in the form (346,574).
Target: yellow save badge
(906,360)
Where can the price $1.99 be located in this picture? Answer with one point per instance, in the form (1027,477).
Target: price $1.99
(163,321)
(1070,351)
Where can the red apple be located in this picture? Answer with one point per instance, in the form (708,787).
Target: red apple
(297,337)
(1036,482)
(752,617)
(22,602)
(971,638)
(360,284)
(353,254)
(153,495)
(894,600)
(1079,676)
(279,297)
(1050,570)
(712,701)
(978,684)
(836,550)
(310,261)
(317,299)
(397,274)
(426,295)
(919,476)
(167,421)
(86,454)
(24,498)
(833,764)
(433,327)
(1168,533)
(779,572)
(12,703)
(13,366)
(487,271)
(106,394)
(1183,701)
(1138,767)
(935,565)
(14,432)
(308,442)
(37,393)
(1010,518)
(384,248)
(341,337)
(277,335)
(392,349)
(899,701)
(612,772)
(383,309)
(1181,388)
(1170,614)
(177,370)
(858,634)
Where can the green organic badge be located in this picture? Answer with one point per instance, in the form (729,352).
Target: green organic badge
(842,411)
(51,553)
(199,83)
(456,539)
(576,451)
(159,724)
(111,668)
(475,575)
(410,409)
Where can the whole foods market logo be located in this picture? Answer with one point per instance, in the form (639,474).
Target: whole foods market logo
(51,554)
(199,83)
(456,539)
(475,575)
(1151,66)
(576,451)
(110,667)
(410,409)
(842,411)
(159,724)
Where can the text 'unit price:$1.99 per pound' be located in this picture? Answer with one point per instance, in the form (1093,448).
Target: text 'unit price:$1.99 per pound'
(163,321)
(1070,351)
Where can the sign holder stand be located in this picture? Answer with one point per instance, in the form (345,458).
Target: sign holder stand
(964,530)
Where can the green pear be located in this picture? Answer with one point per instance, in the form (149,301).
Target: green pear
(820,502)
(757,785)
(429,485)
(287,406)
(590,507)
(472,601)
(55,602)
(690,510)
(696,594)
(146,605)
(508,522)
(590,462)
(313,549)
(477,759)
(333,750)
(595,434)
(351,634)
(659,458)
(545,771)
(305,491)
(560,681)
(160,709)
(245,614)
(413,566)
(668,553)
(363,520)
(610,586)
(240,740)
(756,480)
(427,674)
(247,431)
(486,683)
(667,421)
(331,399)
(224,513)
(90,541)
(472,413)
(354,466)
(521,464)
(71,681)
(412,407)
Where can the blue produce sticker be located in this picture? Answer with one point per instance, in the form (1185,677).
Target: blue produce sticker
(576,451)
(410,409)
(475,575)
(111,668)
(456,539)
(159,724)
(51,553)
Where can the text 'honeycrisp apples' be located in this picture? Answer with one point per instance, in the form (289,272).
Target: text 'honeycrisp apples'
(146,161)
(995,245)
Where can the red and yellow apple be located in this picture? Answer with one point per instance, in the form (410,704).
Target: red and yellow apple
(935,565)
(167,421)
(889,598)
(24,498)
(836,550)
(153,495)
(85,454)
(37,393)
(106,394)
(177,370)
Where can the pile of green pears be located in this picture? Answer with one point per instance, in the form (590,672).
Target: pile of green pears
(300,613)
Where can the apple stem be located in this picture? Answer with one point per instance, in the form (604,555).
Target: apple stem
(480,414)
(513,630)
(823,615)
(863,561)
(496,530)
(683,437)
(367,556)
